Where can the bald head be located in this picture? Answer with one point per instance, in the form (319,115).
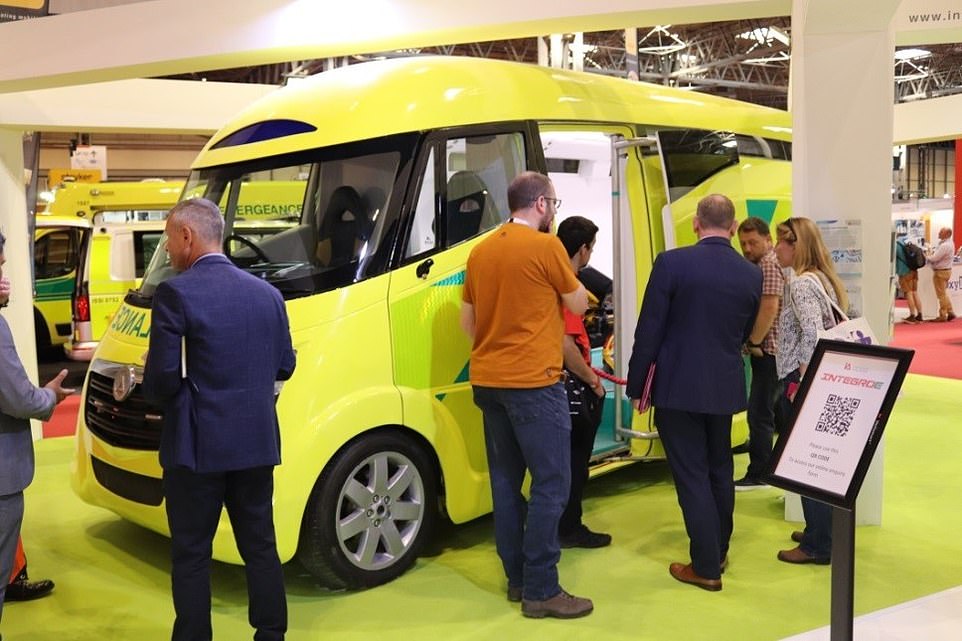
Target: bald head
(715,216)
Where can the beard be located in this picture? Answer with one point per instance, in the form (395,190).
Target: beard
(544,225)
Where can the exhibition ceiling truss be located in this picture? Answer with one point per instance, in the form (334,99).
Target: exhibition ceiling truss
(744,59)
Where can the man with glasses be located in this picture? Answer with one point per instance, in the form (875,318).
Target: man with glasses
(516,282)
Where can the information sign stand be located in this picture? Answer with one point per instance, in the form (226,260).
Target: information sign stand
(838,417)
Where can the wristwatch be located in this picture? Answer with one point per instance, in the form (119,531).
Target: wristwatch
(755,345)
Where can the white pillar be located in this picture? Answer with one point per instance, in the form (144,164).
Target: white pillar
(578,52)
(842,110)
(557,50)
(13,223)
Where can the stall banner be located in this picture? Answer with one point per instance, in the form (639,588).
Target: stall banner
(57,176)
(11,10)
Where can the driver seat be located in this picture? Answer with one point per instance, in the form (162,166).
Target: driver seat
(344,227)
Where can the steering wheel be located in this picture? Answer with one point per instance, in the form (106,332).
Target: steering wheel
(247,243)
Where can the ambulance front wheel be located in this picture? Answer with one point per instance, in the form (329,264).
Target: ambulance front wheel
(370,512)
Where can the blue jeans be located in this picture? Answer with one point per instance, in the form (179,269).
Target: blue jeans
(528,429)
(817,538)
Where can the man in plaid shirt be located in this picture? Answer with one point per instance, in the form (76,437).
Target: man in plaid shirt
(756,243)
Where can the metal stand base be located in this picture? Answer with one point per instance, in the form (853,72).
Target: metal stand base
(843,574)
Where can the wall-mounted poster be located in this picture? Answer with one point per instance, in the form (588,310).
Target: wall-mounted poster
(843,238)
(839,415)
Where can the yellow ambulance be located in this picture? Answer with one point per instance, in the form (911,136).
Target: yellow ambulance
(402,167)
(62,244)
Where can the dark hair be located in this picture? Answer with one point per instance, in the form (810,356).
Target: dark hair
(527,188)
(756,224)
(576,231)
(3,241)
(716,211)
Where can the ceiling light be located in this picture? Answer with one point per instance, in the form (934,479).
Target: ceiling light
(765,35)
(912,54)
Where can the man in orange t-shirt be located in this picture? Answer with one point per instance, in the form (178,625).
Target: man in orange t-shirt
(516,282)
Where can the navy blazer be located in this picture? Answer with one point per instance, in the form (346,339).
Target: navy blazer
(698,311)
(20,400)
(221,417)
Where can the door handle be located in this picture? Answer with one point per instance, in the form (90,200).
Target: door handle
(424,268)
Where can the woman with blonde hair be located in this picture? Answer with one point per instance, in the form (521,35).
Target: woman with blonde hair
(806,310)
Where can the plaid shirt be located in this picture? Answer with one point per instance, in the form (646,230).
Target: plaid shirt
(773,284)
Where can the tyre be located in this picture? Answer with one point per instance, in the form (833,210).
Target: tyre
(370,512)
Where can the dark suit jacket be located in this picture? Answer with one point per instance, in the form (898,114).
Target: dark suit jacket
(221,417)
(698,311)
(20,400)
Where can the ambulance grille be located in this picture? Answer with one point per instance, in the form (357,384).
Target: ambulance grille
(133,487)
(131,423)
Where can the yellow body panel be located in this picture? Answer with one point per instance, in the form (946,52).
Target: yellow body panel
(86,200)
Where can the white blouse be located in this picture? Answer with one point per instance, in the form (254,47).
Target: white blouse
(804,312)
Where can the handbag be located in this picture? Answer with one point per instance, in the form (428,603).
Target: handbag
(850,330)
(583,403)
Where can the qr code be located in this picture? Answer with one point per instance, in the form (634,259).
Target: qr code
(837,415)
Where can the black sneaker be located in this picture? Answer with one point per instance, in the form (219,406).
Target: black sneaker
(585,538)
(749,483)
(24,590)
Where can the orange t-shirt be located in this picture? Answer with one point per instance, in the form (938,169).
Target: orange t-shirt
(514,280)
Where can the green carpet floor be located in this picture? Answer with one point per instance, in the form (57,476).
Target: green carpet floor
(113,583)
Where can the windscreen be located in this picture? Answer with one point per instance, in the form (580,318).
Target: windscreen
(306,222)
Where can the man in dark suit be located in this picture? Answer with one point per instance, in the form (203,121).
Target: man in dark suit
(20,401)
(698,310)
(219,340)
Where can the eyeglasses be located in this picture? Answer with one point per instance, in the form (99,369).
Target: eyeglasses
(554,201)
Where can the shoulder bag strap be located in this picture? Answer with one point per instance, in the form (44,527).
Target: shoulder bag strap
(840,315)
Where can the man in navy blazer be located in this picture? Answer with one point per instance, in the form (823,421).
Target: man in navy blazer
(219,339)
(20,401)
(697,312)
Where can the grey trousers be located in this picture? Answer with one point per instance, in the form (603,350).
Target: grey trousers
(11,518)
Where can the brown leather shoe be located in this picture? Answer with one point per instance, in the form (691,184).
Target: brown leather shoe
(514,594)
(724,564)
(797,536)
(560,606)
(686,574)
(796,555)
